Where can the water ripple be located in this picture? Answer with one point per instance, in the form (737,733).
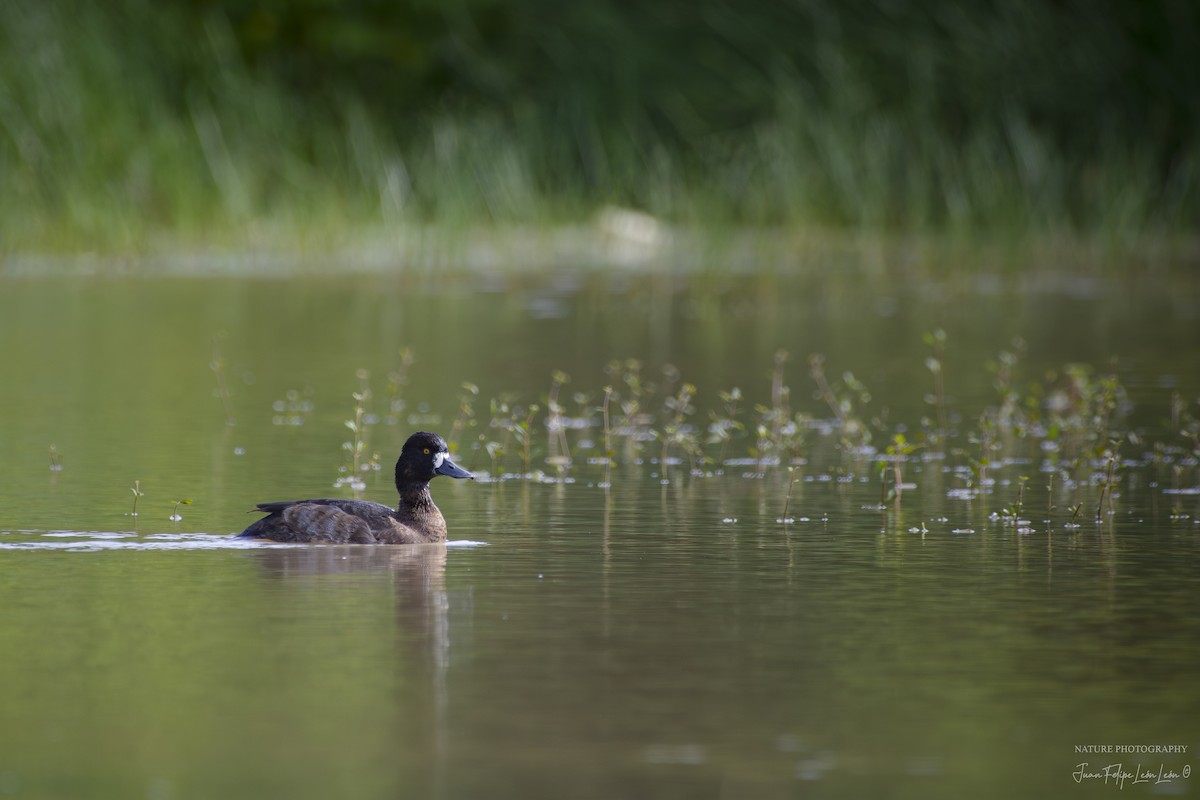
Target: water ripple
(92,541)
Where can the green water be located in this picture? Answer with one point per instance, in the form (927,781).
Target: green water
(646,633)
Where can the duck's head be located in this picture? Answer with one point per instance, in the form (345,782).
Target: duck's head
(424,457)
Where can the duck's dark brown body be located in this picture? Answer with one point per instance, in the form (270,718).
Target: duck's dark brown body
(415,520)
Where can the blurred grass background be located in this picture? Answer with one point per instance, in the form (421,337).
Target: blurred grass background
(135,126)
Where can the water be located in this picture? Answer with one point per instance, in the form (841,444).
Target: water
(660,636)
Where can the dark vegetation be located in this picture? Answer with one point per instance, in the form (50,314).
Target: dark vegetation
(249,122)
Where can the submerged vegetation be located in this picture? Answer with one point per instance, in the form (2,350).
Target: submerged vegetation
(134,127)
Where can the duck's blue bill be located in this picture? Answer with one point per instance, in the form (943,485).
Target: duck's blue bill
(451,470)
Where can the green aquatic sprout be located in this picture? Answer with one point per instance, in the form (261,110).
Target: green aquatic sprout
(357,447)
(558,452)
(675,432)
(774,429)
(854,430)
(466,415)
(1012,514)
(605,416)
(1082,409)
(495,451)
(936,364)
(787,498)
(175,511)
(1190,430)
(521,428)
(55,459)
(725,424)
(780,395)
(883,485)
(498,422)
(1004,369)
(1106,486)
(137,492)
(633,421)
(775,419)
(985,438)
(897,452)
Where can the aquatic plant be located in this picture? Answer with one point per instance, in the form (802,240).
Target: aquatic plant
(499,421)
(897,453)
(1079,408)
(633,424)
(725,423)
(607,421)
(137,493)
(522,430)
(360,461)
(935,363)
(1107,487)
(175,517)
(558,453)
(774,419)
(676,433)
(844,405)
(1009,413)
(465,417)
(984,438)
(787,498)
(55,459)
(1013,512)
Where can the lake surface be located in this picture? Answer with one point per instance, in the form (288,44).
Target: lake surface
(644,630)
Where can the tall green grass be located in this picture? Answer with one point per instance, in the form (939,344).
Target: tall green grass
(124,130)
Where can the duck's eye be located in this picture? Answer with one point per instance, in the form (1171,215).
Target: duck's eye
(426,451)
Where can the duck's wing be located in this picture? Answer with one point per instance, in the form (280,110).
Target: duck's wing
(275,508)
(313,521)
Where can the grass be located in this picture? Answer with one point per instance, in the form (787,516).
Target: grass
(102,155)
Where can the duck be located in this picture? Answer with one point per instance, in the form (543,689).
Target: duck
(415,520)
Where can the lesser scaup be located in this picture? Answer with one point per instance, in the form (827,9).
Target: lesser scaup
(415,520)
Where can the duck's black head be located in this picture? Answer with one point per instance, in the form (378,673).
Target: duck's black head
(424,457)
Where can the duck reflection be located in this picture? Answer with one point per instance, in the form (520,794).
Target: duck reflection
(422,565)
(416,575)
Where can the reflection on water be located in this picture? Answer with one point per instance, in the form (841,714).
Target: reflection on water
(637,632)
(417,577)
(87,541)
(643,640)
